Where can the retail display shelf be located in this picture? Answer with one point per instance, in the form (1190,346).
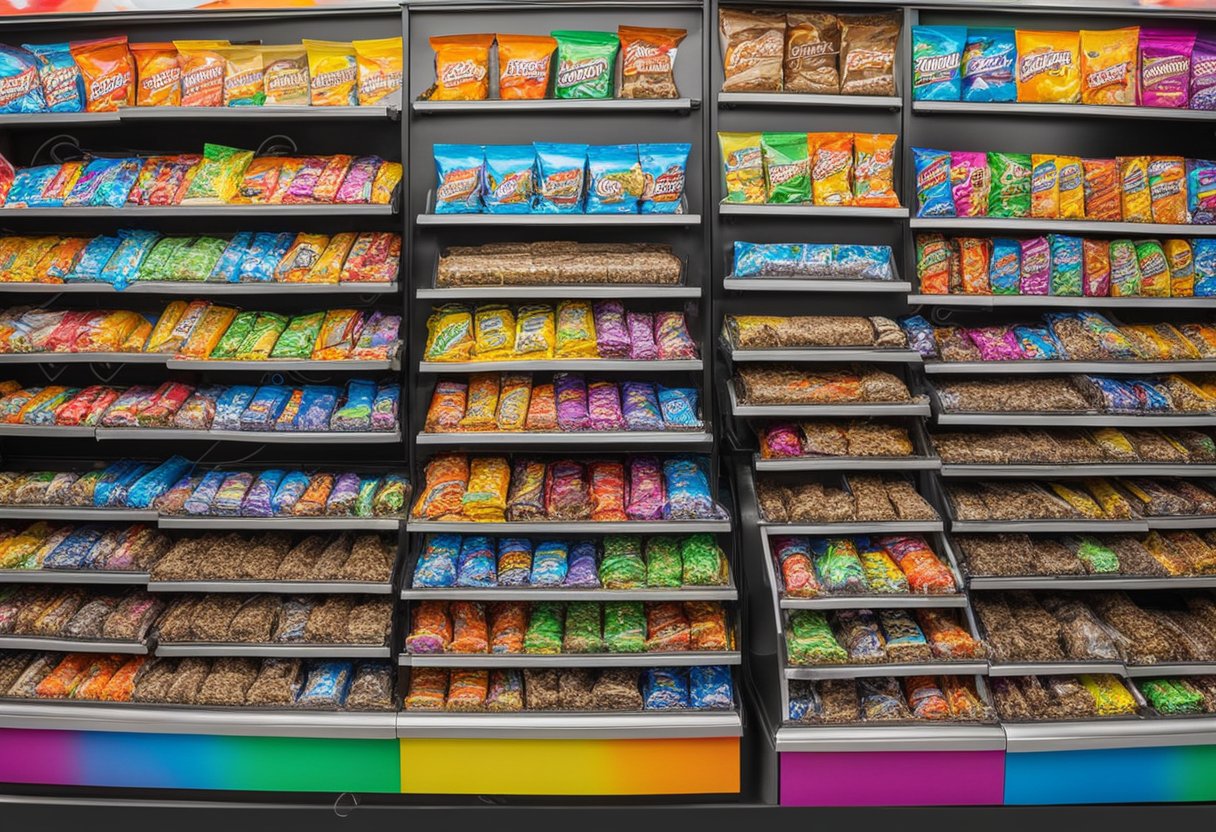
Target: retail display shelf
(1099,734)
(848,463)
(288,523)
(879,738)
(997,668)
(579,291)
(539,725)
(46,431)
(635,438)
(913,408)
(578,365)
(683,218)
(73,645)
(278,587)
(1048,526)
(293,365)
(577,107)
(1077,420)
(977,108)
(295,650)
(808,100)
(994,301)
(572,527)
(904,601)
(1087,582)
(72,576)
(201,288)
(72,715)
(12,121)
(83,358)
(858,527)
(686,658)
(861,354)
(265,112)
(994,368)
(1078,469)
(254,212)
(869,671)
(1164,669)
(736,209)
(814,285)
(1035,226)
(540,593)
(1182,522)
(335,437)
(72,513)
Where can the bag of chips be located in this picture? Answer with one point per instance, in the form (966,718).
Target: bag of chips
(1165,67)
(743,167)
(1011,185)
(586,64)
(937,62)
(933,183)
(663,171)
(867,53)
(1167,189)
(831,166)
(381,69)
(523,66)
(108,73)
(560,172)
(1181,264)
(812,47)
(1108,66)
(459,178)
(333,73)
(1154,269)
(1049,67)
(1095,267)
(614,179)
(62,84)
(874,170)
(1103,193)
(988,62)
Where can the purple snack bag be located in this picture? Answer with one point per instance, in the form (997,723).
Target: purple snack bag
(641,406)
(996,343)
(1036,266)
(1165,67)
(1201,191)
(581,570)
(357,184)
(969,182)
(571,393)
(646,498)
(611,334)
(642,346)
(1203,74)
(604,406)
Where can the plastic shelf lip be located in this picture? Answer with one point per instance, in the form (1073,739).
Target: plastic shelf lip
(1069,110)
(71,576)
(984,582)
(692,593)
(1017,226)
(309,210)
(70,645)
(48,431)
(1061,526)
(974,737)
(81,514)
(874,602)
(570,364)
(279,365)
(680,659)
(1170,669)
(283,587)
(815,410)
(168,719)
(808,100)
(991,301)
(1096,469)
(271,112)
(36,120)
(576,527)
(849,463)
(82,357)
(865,671)
(1108,733)
(1052,367)
(333,651)
(275,437)
(260,287)
(615,290)
(1055,668)
(843,212)
(653,725)
(1092,420)
(295,523)
(858,527)
(587,220)
(638,437)
(871,355)
(776,284)
(1182,522)
(558,105)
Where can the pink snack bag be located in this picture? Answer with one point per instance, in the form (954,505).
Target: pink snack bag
(996,343)
(1036,266)
(1165,67)
(1203,74)
(969,183)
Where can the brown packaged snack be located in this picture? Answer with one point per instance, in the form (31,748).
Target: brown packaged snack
(753,46)
(812,47)
(648,58)
(867,54)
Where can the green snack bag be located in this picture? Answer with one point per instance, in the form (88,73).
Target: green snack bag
(663,566)
(583,628)
(218,175)
(702,560)
(622,566)
(586,64)
(155,265)
(624,627)
(235,335)
(1172,696)
(367,491)
(1097,557)
(1009,194)
(299,337)
(809,640)
(544,633)
(197,259)
(263,337)
(391,496)
(787,172)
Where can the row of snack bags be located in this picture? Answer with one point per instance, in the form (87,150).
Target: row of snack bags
(887,699)
(176,487)
(577,329)
(1073,394)
(548,178)
(831,169)
(76,612)
(106,74)
(273,618)
(1059,264)
(586,65)
(808,51)
(1040,698)
(363,406)
(878,637)
(1158,554)
(42,545)
(823,260)
(552,628)
(134,255)
(1123,498)
(493,489)
(203,330)
(219,175)
(616,562)
(834,438)
(1121,67)
(1158,189)
(571,689)
(884,565)
(1064,336)
(511,402)
(1178,446)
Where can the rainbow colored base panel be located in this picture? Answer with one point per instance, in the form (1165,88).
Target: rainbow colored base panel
(1169,774)
(892,778)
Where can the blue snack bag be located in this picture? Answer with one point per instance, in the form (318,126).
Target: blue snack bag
(550,563)
(94,258)
(1117,397)
(679,407)
(20,87)
(710,687)
(1203,252)
(317,405)
(936,59)
(1150,396)
(862,262)
(437,563)
(104,183)
(514,562)
(933,195)
(228,267)
(356,412)
(686,480)
(988,59)
(157,481)
(264,408)
(614,179)
(477,565)
(265,252)
(1066,253)
(29,185)
(1005,266)
(230,405)
(509,178)
(560,176)
(291,488)
(458,178)
(665,689)
(1037,342)
(920,335)
(124,263)
(199,502)
(258,499)
(326,686)
(663,171)
(62,83)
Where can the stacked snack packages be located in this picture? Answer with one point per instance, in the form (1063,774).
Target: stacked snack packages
(826,169)
(108,74)
(1171,68)
(562,64)
(548,178)
(1167,190)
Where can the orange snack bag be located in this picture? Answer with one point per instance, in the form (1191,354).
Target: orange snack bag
(243,74)
(1044,187)
(1167,189)
(108,71)
(1102,189)
(159,74)
(202,72)
(285,75)
(380,65)
(1134,197)
(462,68)
(1071,185)
(1108,66)
(831,168)
(874,170)
(1049,67)
(523,66)
(974,254)
(1181,262)
(332,72)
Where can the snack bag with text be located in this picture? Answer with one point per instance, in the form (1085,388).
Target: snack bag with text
(462,68)
(648,58)
(970,182)
(1049,67)
(62,85)
(786,168)
(937,53)
(285,75)
(332,73)
(1108,66)
(244,72)
(381,69)
(1071,176)
(108,72)
(1103,199)
(1165,67)
(933,193)
(1167,189)
(874,170)
(988,65)
(832,168)
(1044,187)
(1136,205)
(1011,182)
(586,64)
(202,72)
(743,167)
(159,75)
(523,66)
(20,86)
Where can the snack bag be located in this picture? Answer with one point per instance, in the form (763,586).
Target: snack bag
(244,82)
(1135,202)
(560,177)
(874,170)
(648,58)
(1201,191)
(381,68)
(937,53)
(1066,254)
(508,173)
(1036,267)
(494,333)
(1095,267)
(970,183)
(20,86)
(832,168)
(1167,189)
(332,72)
(812,47)
(1044,187)
(663,173)
(462,68)
(459,170)
(1011,183)
(1070,176)
(1154,269)
(1102,192)
(933,193)
(219,175)
(974,255)
(108,72)
(388,177)
(535,331)
(1181,263)
(1204,256)
(753,43)
(786,168)
(1203,75)
(523,66)
(586,62)
(1124,270)
(1165,67)
(1004,267)
(933,255)
(1049,67)
(988,62)
(159,75)
(449,334)
(62,84)
(285,75)
(743,167)
(868,44)
(202,72)
(1108,66)
(614,179)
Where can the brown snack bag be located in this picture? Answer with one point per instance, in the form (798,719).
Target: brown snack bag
(753,45)
(867,54)
(648,59)
(812,47)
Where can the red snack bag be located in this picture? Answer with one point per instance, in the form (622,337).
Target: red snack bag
(374,258)
(1102,191)
(108,71)
(1095,267)
(607,491)
(330,179)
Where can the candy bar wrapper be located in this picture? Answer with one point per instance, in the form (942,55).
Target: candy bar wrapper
(1044,187)
(1095,267)
(604,406)
(934,196)
(611,334)
(1167,189)
(1009,195)
(355,414)
(1203,74)
(988,62)
(1165,67)
(640,406)
(1049,67)
(689,495)
(1036,267)
(647,498)
(1181,264)
(1154,269)
(1103,192)
(1005,267)
(607,491)
(1135,201)
(572,406)
(526,498)
(1066,255)
(969,183)
(937,53)
(231,493)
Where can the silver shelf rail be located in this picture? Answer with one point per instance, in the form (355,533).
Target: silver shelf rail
(913,408)
(72,645)
(1056,110)
(172,211)
(808,100)
(295,650)
(574,292)
(556,220)
(289,523)
(1108,733)
(870,355)
(1077,420)
(72,576)
(1087,582)
(995,301)
(1165,669)
(1056,526)
(538,593)
(86,515)
(203,288)
(736,209)
(602,365)
(869,671)
(852,528)
(279,587)
(994,368)
(576,107)
(573,527)
(814,285)
(558,725)
(264,112)
(1077,469)
(335,437)
(636,438)
(1069,668)
(1027,226)
(927,737)
(848,463)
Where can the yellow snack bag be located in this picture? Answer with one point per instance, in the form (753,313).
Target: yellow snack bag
(1108,66)
(337,335)
(1115,445)
(332,73)
(449,334)
(575,330)
(1049,67)
(202,68)
(243,76)
(208,332)
(831,168)
(534,332)
(328,267)
(285,75)
(388,176)
(482,402)
(743,167)
(1133,189)
(513,401)
(138,339)
(485,500)
(306,249)
(1182,267)
(165,325)
(1080,502)
(381,68)
(494,333)
(1044,187)
(1114,505)
(1070,177)
(160,75)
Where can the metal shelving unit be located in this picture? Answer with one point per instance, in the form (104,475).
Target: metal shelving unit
(1075,469)
(582,291)
(573,365)
(265,112)
(72,576)
(814,286)
(202,288)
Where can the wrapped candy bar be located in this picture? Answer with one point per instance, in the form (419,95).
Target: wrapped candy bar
(259,499)
(582,566)
(673,341)
(199,501)
(622,566)
(341,500)
(514,561)
(647,496)
(231,493)
(550,564)
(624,627)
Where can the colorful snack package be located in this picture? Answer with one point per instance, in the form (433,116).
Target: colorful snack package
(108,72)
(1044,187)
(611,333)
(1049,67)
(513,402)
(494,333)
(648,59)
(1201,191)
(1066,269)
(1154,269)
(933,188)
(207,333)
(812,47)
(535,332)
(1071,186)
(1165,67)
(786,168)
(663,171)
(575,332)
(752,42)
(331,178)
(219,175)
(62,84)
(523,66)
(1108,66)
(974,254)
(159,75)
(333,73)
(243,76)
(831,168)
(874,170)
(970,183)
(550,564)
(299,260)
(1103,199)
(381,66)
(1124,269)
(482,402)
(450,334)
(374,257)
(933,256)
(572,410)
(614,179)
(988,62)
(1203,74)
(1011,185)
(868,43)
(1036,267)
(202,67)
(743,167)
(462,68)
(1095,267)
(937,53)
(1135,202)
(1004,266)
(508,179)
(384,186)
(1181,263)
(1167,189)
(285,75)
(586,63)
(561,173)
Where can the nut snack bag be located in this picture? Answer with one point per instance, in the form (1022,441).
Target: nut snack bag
(812,49)
(648,58)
